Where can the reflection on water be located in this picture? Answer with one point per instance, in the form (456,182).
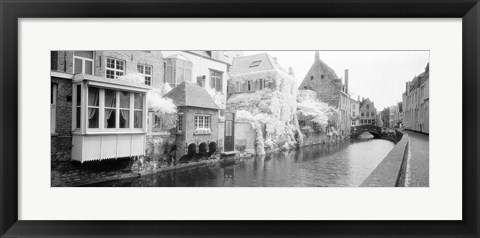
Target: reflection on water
(342,164)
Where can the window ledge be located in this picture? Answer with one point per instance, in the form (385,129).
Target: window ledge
(202,132)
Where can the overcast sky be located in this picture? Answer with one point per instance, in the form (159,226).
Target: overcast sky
(379,75)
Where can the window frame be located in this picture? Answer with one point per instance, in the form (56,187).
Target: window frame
(214,79)
(101,108)
(179,128)
(83,63)
(144,66)
(115,70)
(204,122)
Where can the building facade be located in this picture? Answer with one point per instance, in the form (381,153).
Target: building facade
(330,89)
(197,132)
(355,112)
(416,103)
(368,112)
(95,106)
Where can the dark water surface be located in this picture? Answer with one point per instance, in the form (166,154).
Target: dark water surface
(345,163)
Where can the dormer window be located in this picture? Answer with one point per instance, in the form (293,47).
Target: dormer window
(255,63)
(322,76)
(311,77)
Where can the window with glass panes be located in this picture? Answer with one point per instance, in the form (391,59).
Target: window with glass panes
(83,62)
(146,71)
(111,109)
(216,80)
(180,123)
(115,68)
(138,110)
(93,107)
(202,122)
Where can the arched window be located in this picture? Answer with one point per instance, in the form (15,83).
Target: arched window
(249,86)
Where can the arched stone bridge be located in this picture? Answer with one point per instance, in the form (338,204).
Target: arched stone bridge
(376,131)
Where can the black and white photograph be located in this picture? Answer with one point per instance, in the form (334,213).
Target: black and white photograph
(239,118)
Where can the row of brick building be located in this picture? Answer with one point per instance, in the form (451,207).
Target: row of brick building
(98,112)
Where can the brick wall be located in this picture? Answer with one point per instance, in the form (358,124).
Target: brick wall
(63,61)
(132,59)
(61,140)
(187,136)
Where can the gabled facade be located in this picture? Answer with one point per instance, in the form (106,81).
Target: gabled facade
(330,89)
(262,72)
(368,112)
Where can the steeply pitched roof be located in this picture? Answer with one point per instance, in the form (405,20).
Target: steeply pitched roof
(191,94)
(254,63)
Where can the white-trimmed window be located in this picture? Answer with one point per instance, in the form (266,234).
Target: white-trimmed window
(83,62)
(115,68)
(202,121)
(110,105)
(138,110)
(111,109)
(146,71)
(216,80)
(124,117)
(93,107)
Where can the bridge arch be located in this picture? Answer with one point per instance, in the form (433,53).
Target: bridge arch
(376,131)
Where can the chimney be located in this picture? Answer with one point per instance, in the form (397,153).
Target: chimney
(358,98)
(317,56)
(346,81)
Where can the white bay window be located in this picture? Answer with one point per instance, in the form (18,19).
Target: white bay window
(109,118)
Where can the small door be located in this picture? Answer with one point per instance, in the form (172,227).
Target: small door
(229,132)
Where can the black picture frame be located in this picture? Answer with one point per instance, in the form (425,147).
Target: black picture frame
(11,11)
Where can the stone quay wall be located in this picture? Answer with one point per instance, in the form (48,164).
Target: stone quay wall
(391,171)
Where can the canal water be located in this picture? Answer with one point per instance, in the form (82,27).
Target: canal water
(345,163)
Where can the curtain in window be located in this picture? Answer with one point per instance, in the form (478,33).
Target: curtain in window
(124,103)
(92,112)
(110,101)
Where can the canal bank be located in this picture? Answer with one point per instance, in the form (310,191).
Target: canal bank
(391,172)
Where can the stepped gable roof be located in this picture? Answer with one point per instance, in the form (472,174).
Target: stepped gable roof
(254,63)
(192,95)
(364,101)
